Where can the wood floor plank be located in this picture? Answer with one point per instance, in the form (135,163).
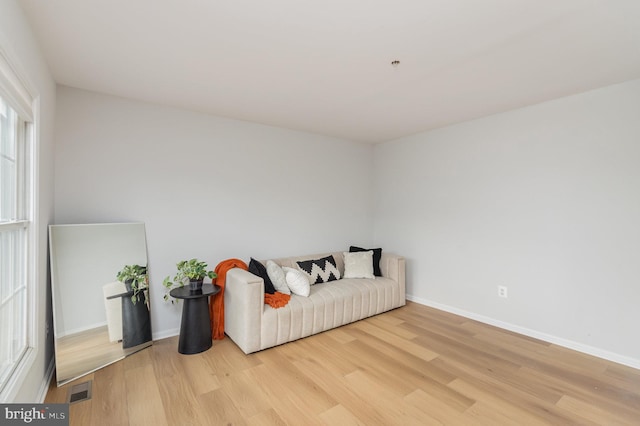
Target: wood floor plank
(144,404)
(225,358)
(339,335)
(504,382)
(139,359)
(291,402)
(110,403)
(530,398)
(444,324)
(615,402)
(339,415)
(368,359)
(483,413)
(405,345)
(391,327)
(403,358)
(389,319)
(589,412)
(469,352)
(244,394)
(266,418)
(623,377)
(202,378)
(508,408)
(218,408)
(390,403)
(338,386)
(407,373)
(436,407)
(323,348)
(293,383)
(80,413)
(413,365)
(174,389)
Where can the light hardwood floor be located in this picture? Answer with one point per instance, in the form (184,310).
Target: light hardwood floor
(411,366)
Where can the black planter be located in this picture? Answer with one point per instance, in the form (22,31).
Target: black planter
(127,285)
(195,285)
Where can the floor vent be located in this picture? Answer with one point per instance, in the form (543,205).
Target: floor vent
(80,392)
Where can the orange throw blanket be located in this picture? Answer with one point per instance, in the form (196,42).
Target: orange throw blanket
(277,299)
(216,308)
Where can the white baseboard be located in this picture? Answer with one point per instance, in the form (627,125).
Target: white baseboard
(166,333)
(580,347)
(80,329)
(46,381)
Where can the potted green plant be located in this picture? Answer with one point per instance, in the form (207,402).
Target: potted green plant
(190,271)
(135,278)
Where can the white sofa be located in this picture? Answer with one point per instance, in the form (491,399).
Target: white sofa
(255,326)
(113,308)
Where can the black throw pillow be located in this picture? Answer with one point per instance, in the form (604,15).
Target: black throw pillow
(377,255)
(257,268)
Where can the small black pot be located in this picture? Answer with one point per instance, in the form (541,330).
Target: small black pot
(195,285)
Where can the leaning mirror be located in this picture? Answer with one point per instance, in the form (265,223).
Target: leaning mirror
(97,318)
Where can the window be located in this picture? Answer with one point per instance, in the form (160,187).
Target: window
(16,215)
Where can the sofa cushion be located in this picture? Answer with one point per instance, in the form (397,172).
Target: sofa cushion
(258,269)
(358,264)
(320,270)
(377,255)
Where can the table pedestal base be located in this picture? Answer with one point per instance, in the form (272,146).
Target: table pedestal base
(136,322)
(195,328)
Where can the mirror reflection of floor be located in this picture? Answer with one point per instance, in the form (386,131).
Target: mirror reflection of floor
(84,352)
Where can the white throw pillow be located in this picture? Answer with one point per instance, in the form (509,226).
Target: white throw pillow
(297,281)
(277,277)
(358,264)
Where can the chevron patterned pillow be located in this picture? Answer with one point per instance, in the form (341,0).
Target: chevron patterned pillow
(320,270)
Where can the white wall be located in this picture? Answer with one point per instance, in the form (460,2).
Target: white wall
(18,40)
(206,187)
(544,200)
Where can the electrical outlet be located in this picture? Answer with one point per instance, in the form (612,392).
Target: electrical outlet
(502,291)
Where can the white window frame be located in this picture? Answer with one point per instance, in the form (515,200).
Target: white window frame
(17,92)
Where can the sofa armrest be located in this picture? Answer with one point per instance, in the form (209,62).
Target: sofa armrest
(243,306)
(393,266)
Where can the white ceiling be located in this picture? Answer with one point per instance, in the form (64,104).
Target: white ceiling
(325,66)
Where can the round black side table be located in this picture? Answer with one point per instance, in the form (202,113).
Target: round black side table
(195,327)
(136,321)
